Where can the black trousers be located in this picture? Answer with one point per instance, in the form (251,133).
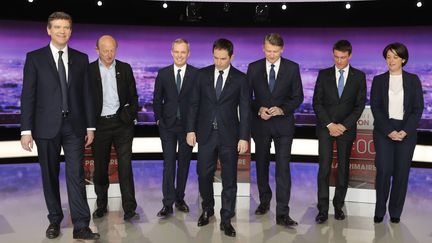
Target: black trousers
(113,131)
(392,161)
(208,153)
(282,171)
(325,151)
(49,153)
(174,184)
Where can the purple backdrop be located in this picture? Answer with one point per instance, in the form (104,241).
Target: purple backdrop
(148,48)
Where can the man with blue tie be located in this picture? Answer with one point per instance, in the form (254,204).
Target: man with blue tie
(219,122)
(338,101)
(57,111)
(277,91)
(171,101)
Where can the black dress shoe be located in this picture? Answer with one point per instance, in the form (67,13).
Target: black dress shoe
(394,220)
(228,229)
(165,212)
(128,216)
(378,220)
(262,209)
(205,217)
(339,214)
(99,213)
(85,234)
(285,220)
(321,217)
(182,206)
(53,231)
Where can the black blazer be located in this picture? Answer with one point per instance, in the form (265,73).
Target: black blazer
(126,89)
(166,99)
(41,94)
(234,100)
(348,108)
(287,94)
(413,103)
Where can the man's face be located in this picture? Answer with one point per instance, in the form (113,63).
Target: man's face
(341,59)
(272,53)
(106,50)
(221,59)
(180,53)
(60,32)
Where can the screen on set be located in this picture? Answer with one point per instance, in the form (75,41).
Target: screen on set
(147,49)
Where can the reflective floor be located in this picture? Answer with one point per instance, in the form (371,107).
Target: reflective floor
(23,212)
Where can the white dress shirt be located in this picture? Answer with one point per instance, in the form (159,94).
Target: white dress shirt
(396,97)
(224,75)
(276,68)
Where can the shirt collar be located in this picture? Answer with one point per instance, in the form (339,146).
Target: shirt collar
(55,51)
(183,69)
(277,63)
(225,71)
(345,69)
(102,65)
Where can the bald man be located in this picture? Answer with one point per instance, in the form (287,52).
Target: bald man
(116,103)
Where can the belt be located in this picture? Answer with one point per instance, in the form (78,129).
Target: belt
(109,116)
(65,113)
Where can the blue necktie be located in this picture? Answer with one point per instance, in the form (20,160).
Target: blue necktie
(341,82)
(178,83)
(272,78)
(63,82)
(219,84)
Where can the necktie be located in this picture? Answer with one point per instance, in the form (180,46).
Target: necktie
(341,82)
(272,78)
(219,84)
(178,83)
(178,80)
(63,83)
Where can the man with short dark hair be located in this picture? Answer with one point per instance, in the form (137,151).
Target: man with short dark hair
(57,111)
(172,91)
(116,103)
(220,94)
(338,101)
(277,91)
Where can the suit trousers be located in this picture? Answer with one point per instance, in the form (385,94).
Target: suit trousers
(170,137)
(49,153)
(208,153)
(325,150)
(392,161)
(282,171)
(114,131)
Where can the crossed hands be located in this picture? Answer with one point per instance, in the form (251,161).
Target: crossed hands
(336,129)
(397,136)
(242,146)
(267,113)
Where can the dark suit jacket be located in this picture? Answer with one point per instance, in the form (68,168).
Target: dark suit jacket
(41,94)
(126,89)
(413,103)
(287,95)
(348,108)
(166,99)
(205,106)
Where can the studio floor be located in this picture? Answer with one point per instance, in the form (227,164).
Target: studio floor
(23,212)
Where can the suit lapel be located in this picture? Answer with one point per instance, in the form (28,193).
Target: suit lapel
(225,87)
(281,73)
(348,83)
(70,63)
(406,89)
(211,83)
(119,81)
(333,83)
(52,64)
(184,82)
(386,90)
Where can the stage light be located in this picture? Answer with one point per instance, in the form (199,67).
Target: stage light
(226,7)
(99,3)
(284,6)
(193,12)
(348,5)
(165,5)
(419,4)
(261,13)
(30,1)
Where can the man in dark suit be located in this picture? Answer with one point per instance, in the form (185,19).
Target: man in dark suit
(57,111)
(220,95)
(277,91)
(338,101)
(173,88)
(116,102)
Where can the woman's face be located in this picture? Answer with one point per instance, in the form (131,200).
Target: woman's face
(394,62)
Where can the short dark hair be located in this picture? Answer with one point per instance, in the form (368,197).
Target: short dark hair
(224,44)
(343,46)
(274,39)
(59,15)
(399,49)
